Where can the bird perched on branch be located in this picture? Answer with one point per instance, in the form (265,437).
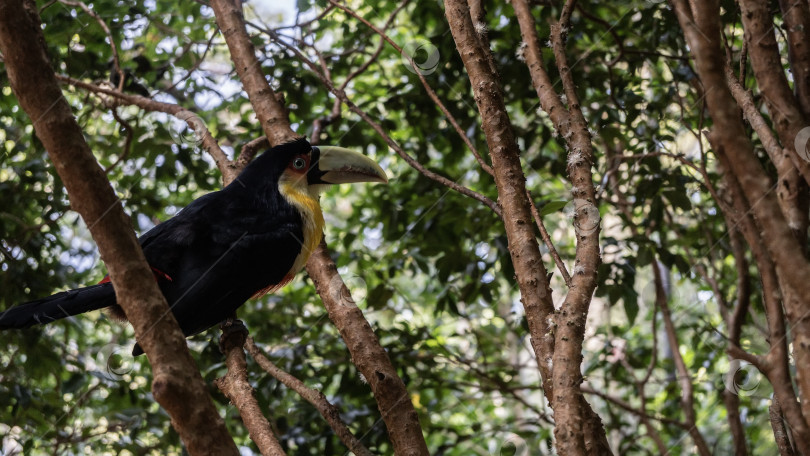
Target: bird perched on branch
(248,239)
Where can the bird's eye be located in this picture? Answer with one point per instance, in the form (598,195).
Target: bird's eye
(299,163)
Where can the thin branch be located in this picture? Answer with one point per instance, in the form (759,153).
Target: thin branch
(636,411)
(796,21)
(790,191)
(306,24)
(328,410)
(549,99)
(783,106)
(684,378)
(431,93)
(362,68)
(130,134)
(236,387)
(641,384)
(341,94)
(779,431)
(249,151)
(478,16)
(565,15)
(197,63)
(208,142)
(547,240)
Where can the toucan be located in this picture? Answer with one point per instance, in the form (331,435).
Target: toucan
(243,241)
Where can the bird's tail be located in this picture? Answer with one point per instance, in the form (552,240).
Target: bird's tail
(58,306)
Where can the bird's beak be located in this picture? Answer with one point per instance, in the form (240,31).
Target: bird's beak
(341,166)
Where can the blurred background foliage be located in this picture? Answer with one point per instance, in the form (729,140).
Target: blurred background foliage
(428,266)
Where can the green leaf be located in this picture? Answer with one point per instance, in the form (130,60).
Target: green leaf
(552,206)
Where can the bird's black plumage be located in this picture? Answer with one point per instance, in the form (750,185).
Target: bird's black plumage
(213,255)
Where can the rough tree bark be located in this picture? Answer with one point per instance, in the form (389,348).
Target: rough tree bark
(368,355)
(556,338)
(783,108)
(796,17)
(775,363)
(511,183)
(235,385)
(701,28)
(177,384)
(271,113)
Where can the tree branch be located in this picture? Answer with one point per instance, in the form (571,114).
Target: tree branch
(130,134)
(636,411)
(796,17)
(729,138)
(775,365)
(788,119)
(368,355)
(561,383)
(412,162)
(329,412)
(209,143)
(177,383)
(574,310)
(734,323)
(547,240)
(510,181)
(431,93)
(779,432)
(249,151)
(684,378)
(272,114)
(549,99)
(236,387)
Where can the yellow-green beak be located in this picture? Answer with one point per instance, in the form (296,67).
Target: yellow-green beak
(337,165)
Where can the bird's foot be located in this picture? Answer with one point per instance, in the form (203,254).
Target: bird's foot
(234,334)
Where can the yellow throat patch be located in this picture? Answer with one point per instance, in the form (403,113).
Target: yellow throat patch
(306,199)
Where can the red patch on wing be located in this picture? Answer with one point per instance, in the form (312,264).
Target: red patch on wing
(155,271)
(160,274)
(273,287)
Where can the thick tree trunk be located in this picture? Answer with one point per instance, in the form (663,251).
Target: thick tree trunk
(555,337)
(702,30)
(177,384)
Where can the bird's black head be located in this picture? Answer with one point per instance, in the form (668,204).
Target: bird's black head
(299,163)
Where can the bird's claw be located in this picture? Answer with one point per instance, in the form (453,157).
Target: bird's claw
(234,334)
